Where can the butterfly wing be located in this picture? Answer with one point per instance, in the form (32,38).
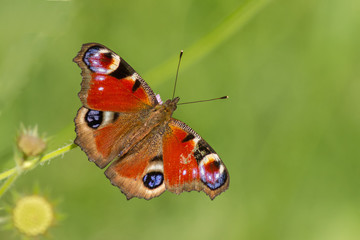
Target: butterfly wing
(190,163)
(116,101)
(109,83)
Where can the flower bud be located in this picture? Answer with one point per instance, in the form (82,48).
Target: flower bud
(29,142)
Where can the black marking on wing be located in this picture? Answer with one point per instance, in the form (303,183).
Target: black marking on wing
(108,54)
(136,85)
(124,70)
(202,150)
(188,138)
(157,158)
(115,116)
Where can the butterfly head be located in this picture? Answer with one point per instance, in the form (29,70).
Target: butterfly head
(171,104)
(167,108)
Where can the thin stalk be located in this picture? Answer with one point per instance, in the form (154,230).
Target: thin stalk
(12,174)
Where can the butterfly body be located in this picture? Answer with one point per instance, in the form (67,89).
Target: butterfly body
(123,122)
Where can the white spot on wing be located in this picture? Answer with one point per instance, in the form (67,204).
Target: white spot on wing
(108,116)
(222,168)
(135,76)
(196,140)
(210,157)
(100,78)
(158,98)
(156,166)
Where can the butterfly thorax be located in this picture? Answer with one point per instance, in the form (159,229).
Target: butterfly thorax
(154,118)
(161,113)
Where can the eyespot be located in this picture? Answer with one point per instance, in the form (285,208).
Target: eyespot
(94,118)
(153,179)
(101,60)
(212,171)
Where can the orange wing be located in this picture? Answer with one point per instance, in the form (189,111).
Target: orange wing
(109,83)
(190,163)
(116,100)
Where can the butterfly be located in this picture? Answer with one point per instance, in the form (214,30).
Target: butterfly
(124,123)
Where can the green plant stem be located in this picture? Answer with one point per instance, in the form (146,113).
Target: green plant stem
(12,174)
(7,184)
(57,152)
(7,173)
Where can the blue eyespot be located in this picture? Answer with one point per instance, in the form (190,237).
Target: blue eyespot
(94,118)
(153,180)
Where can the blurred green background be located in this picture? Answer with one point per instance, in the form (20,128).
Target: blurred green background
(289,134)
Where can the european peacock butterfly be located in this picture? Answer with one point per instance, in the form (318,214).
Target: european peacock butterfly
(123,120)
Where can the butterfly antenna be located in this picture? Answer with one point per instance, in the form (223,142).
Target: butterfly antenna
(224,97)
(177,73)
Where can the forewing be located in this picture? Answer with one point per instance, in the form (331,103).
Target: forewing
(109,83)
